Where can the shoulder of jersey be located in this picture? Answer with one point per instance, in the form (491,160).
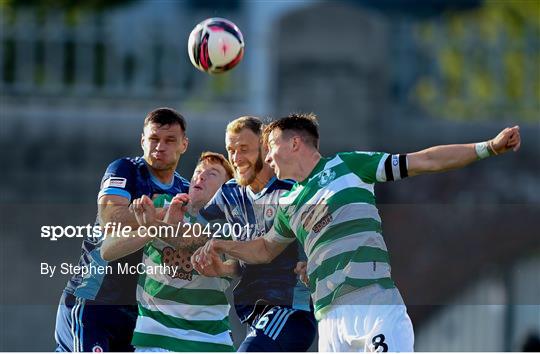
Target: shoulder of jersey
(184,183)
(231,183)
(129,162)
(283,184)
(182,179)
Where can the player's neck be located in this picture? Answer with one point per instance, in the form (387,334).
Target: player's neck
(164,176)
(261,179)
(193,209)
(306,166)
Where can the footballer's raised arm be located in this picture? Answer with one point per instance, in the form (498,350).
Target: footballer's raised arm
(449,157)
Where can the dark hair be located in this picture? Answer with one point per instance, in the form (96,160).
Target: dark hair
(304,124)
(214,157)
(252,123)
(165,116)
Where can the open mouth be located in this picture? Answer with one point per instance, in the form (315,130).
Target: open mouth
(199,188)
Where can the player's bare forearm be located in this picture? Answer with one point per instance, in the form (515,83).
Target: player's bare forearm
(450,157)
(440,158)
(115,247)
(257,251)
(113,208)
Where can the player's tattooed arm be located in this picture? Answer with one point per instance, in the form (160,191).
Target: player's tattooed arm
(449,157)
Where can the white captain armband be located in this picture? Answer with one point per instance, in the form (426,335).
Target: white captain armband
(395,167)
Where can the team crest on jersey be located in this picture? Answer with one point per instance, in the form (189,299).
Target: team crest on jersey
(181,259)
(327,176)
(97,349)
(269,213)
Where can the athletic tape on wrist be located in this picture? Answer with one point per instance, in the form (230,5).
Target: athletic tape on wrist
(482,150)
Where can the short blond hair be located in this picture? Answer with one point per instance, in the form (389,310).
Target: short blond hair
(246,122)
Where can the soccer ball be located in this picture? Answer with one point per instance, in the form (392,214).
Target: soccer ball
(215,45)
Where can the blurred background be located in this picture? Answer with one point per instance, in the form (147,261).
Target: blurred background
(77,79)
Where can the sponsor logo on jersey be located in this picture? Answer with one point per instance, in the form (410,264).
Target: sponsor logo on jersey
(312,217)
(327,219)
(327,176)
(118,182)
(395,160)
(181,261)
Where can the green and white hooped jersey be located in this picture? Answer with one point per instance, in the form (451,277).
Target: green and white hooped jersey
(333,215)
(180,310)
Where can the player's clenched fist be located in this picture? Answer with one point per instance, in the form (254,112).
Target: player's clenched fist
(144,211)
(203,257)
(177,209)
(507,139)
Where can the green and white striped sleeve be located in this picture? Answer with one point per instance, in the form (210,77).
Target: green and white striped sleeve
(374,167)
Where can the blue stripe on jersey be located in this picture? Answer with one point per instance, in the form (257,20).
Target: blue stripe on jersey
(114,191)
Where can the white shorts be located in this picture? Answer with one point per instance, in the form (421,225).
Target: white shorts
(371,319)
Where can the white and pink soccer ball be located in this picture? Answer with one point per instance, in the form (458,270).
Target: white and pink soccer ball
(215,45)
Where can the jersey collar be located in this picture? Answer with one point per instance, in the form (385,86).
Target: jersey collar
(318,168)
(156,181)
(263,191)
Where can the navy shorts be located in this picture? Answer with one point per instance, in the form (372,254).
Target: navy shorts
(280,328)
(84,326)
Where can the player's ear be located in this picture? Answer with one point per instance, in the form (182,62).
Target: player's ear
(185,144)
(296,140)
(142,141)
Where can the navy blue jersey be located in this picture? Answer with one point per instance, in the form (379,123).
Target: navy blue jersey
(251,215)
(129,178)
